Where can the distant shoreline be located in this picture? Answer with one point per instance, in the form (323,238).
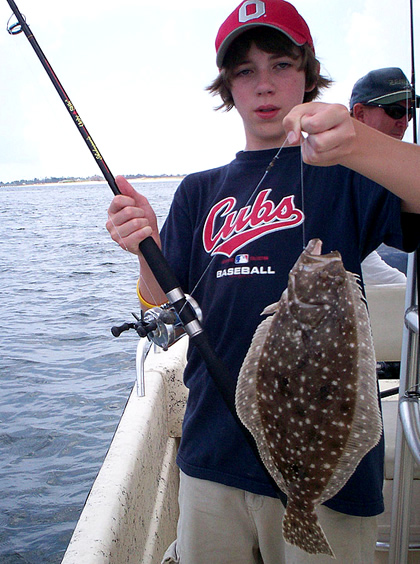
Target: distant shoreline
(62,182)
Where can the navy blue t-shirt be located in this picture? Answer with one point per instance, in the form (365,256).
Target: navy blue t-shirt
(231,242)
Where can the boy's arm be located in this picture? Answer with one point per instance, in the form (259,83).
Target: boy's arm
(131,219)
(336,138)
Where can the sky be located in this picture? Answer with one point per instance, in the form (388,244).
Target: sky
(136,72)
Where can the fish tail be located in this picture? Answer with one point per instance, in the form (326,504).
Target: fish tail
(302,528)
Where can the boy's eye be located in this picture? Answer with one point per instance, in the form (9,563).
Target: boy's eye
(243,72)
(283,65)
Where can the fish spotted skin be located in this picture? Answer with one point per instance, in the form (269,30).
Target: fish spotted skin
(307,390)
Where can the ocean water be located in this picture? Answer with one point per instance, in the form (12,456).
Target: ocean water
(64,378)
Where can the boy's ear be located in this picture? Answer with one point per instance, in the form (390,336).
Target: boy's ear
(311,86)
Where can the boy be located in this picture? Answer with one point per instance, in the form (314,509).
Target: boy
(229,512)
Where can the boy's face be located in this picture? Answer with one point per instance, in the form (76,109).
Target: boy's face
(265,87)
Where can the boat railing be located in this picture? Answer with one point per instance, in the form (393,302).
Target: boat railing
(143,348)
(407,444)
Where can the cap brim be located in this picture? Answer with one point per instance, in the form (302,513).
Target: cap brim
(227,42)
(391,98)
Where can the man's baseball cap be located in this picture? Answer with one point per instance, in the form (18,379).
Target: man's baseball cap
(381,86)
(276,14)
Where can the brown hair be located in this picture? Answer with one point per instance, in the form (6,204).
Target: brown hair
(270,41)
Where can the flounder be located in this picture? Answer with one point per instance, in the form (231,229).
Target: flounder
(307,390)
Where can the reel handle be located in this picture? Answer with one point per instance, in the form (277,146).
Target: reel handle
(116,330)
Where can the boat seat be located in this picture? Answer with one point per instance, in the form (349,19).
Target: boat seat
(386,302)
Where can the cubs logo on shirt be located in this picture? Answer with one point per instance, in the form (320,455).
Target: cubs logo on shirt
(227,230)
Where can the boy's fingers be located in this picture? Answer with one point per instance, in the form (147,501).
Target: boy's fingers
(124,186)
(325,132)
(127,189)
(292,125)
(293,138)
(312,118)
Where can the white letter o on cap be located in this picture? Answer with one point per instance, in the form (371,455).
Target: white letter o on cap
(259,10)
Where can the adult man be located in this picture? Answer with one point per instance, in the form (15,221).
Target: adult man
(382,99)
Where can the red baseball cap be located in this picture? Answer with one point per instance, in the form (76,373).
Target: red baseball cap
(276,14)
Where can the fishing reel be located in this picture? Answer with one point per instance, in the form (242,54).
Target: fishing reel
(161,324)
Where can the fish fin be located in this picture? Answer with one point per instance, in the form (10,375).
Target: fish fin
(314,247)
(270,309)
(303,529)
(246,400)
(361,439)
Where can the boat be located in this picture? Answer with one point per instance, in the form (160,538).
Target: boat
(131,512)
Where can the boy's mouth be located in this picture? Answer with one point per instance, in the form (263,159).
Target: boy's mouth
(267,112)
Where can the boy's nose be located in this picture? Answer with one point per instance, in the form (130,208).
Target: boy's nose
(265,84)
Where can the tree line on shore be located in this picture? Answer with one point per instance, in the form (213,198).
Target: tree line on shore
(94,178)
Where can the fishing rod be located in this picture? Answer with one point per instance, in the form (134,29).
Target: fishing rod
(407,439)
(413,74)
(148,247)
(150,250)
(154,258)
(415,102)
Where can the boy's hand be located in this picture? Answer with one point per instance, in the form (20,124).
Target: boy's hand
(131,218)
(330,132)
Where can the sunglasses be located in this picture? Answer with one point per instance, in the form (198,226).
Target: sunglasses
(395,111)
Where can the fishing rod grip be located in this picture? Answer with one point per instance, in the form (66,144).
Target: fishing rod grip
(167,281)
(170,285)
(159,265)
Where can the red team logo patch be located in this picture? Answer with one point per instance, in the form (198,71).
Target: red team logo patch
(226,230)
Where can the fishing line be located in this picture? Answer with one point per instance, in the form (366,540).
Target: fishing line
(132,257)
(266,172)
(302,195)
(124,246)
(157,263)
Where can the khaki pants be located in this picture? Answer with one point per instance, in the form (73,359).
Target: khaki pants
(223,525)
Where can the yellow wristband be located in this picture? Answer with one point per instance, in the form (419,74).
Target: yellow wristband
(142,300)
